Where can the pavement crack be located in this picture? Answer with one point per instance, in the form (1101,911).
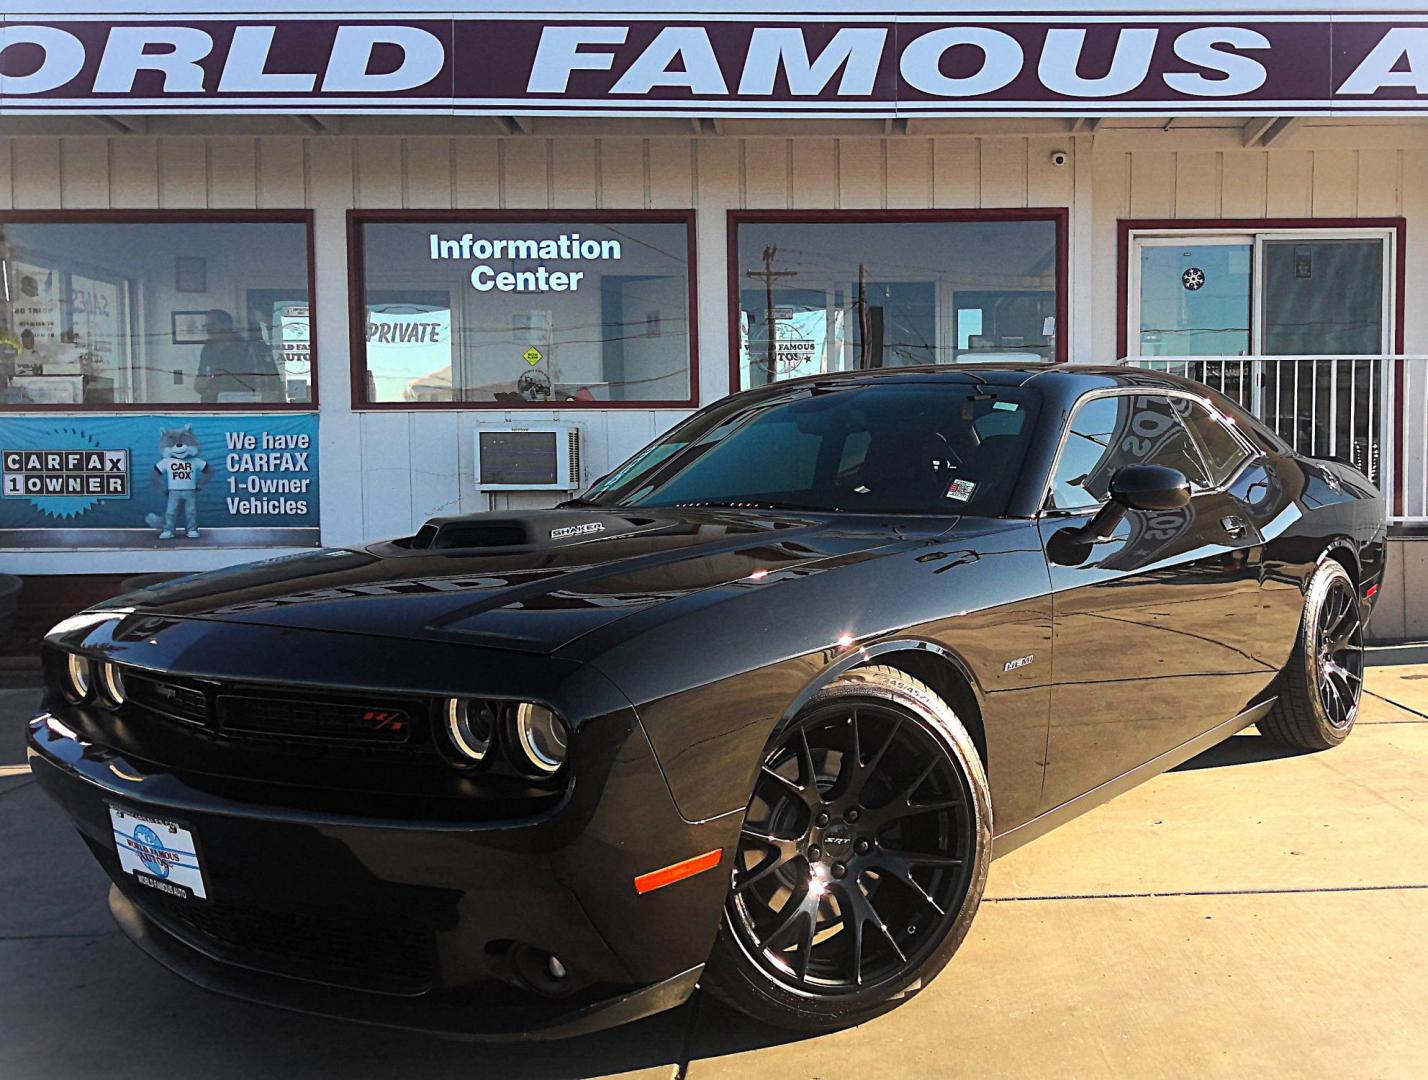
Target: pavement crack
(1397,705)
(686,1048)
(1207,892)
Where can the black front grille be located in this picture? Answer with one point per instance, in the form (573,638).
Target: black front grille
(324,721)
(389,953)
(173,699)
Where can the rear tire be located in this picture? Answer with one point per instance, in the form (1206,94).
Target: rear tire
(863,857)
(1321,686)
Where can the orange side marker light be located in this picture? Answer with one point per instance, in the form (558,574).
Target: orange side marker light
(658,879)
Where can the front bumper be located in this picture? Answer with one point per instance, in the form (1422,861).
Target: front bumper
(441,1016)
(435,926)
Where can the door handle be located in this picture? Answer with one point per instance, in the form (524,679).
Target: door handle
(1233,525)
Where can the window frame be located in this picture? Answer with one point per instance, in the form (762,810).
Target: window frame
(1059,216)
(1391,231)
(357,303)
(179,217)
(1247,449)
(1250,450)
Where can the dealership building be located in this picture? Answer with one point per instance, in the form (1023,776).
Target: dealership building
(272,279)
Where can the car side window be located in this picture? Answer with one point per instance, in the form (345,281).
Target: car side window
(1222,452)
(1108,433)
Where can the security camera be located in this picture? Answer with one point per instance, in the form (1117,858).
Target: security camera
(1059,158)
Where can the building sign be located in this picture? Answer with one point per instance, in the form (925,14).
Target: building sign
(740,64)
(567,247)
(159,481)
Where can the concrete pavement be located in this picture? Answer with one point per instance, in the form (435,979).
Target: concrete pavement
(1253,912)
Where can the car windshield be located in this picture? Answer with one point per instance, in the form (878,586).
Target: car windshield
(906,448)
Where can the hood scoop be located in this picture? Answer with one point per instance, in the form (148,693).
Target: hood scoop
(523,531)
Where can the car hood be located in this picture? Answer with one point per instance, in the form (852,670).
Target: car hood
(534,581)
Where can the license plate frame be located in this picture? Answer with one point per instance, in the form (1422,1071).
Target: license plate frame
(158,853)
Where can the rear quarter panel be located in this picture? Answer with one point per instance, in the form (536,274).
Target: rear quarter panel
(1316,507)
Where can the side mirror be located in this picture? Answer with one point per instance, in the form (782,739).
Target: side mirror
(1137,487)
(1149,487)
(1133,487)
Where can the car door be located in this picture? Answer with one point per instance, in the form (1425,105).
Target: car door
(1155,629)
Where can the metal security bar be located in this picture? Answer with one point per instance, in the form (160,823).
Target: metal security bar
(1344,407)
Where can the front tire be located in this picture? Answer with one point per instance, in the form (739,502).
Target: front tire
(1321,686)
(863,857)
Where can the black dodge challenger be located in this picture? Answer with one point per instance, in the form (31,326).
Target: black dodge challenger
(755,711)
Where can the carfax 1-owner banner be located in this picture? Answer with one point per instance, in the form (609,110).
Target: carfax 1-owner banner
(159,481)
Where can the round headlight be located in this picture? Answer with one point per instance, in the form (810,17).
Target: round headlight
(469,727)
(79,678)
(542,737)
(111,684)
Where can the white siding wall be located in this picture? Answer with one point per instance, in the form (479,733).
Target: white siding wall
(383,473)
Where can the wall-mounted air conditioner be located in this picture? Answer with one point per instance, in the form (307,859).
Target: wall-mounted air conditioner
(528,457)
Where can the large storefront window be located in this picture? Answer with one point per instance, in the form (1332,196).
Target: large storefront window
(544,310)
(868,290)
(168,311)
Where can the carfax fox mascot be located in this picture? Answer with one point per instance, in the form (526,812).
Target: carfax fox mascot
(180,472)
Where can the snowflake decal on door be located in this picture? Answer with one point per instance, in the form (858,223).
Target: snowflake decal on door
(1193,279)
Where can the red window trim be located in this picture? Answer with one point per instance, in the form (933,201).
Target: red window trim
(1059,215)
(1397,225)
(357,304)
(171,217)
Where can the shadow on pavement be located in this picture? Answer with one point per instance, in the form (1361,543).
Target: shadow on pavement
(719,1030)
(1239,750)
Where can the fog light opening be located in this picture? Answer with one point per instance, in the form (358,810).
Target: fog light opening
(533,969)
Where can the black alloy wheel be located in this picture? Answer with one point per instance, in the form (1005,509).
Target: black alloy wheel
(855,851)
(862,858)
(1319,690)
(1339,653)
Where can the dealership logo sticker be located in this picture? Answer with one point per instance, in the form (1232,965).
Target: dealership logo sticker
(794,346)
(1193,279)
(151,850)
(961,489)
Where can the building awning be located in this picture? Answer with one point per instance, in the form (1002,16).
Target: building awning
(714,59)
